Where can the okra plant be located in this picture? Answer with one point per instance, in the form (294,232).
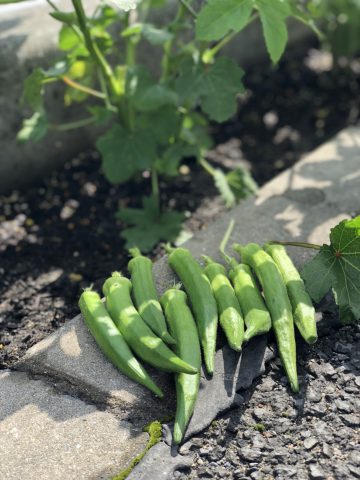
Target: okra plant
(153,121)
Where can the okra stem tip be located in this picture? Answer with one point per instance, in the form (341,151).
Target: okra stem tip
(116,274)
(135,252)
(208,260)
(168,248)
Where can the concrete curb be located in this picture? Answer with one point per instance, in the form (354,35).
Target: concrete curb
(302,203)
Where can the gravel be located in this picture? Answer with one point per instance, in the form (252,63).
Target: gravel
(278,435)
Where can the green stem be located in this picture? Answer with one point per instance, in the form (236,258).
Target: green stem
(313,246)
(155,185)
(209,54)
(73,125)
(225,241)
(94,50)
(130,60)
(82,88)
(206,165)
(170,43)
(189,8)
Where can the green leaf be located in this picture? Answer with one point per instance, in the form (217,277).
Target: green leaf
(195,132)
(156,36)
(67,38)
(337,266)
(241,183)
(145,93)
(221,83)
(102,114)
(273,15)
(69,18)
(168,164)
(32,94)
(124,154)
(219,17)
(163,123)
(149,225)
(189,82)
(217,86)
(34,128)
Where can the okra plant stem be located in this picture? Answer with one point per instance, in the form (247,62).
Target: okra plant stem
(93,48)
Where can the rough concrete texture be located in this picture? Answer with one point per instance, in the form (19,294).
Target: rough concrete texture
(44,434)
(28,39)
(71,354)
(160,463)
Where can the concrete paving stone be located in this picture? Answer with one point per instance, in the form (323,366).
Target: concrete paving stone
(48,435)
(302,203)
(71,354)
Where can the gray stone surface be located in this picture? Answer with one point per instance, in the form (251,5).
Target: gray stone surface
(232,372)
(28,38)
(46,435)
(71,354)
(160,463)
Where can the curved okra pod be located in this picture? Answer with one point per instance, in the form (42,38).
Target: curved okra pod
(183,328)
(303,309)
(201,298)
(230,315)
(257,316)
(138,335)
(278,303)
(111,342)
(145,295)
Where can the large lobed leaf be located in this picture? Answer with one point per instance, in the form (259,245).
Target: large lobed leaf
(125,153)
(219,17)
(273,15)
(337,266)
(149,225)
(216,85)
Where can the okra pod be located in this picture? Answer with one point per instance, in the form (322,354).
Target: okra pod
(183,328)
(303,309)
(145,295)
(201,299)
(278,303)
(230,315)
(111,342)
(256,315)
(141,339)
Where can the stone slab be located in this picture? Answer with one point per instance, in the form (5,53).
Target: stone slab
(71,354)
(300,204)
(47,435)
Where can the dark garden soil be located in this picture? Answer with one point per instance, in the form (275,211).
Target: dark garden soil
(61,234)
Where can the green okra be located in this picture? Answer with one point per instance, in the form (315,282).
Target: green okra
(141,339)
(256,315)
(278,303)
(303,309)
(229,310)
(201,298)
(183,328)
(111,342)
(145,295)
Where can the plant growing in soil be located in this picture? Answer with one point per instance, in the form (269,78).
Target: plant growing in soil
(151,123)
